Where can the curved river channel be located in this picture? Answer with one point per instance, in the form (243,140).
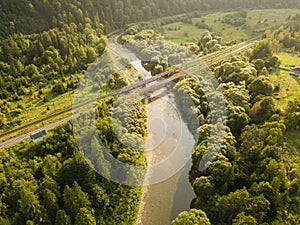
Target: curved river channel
(163,201)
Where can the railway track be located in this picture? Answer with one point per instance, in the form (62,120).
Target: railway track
(214,58)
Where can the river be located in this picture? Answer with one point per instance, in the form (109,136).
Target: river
(164,200)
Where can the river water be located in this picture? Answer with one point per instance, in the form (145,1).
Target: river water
(168,192)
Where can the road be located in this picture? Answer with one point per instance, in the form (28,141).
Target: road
(215,57)
(27,135)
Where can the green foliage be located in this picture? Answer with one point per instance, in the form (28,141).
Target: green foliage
(243,219)
(4,221)
(260,86)
(238,99)
(50,182)
(257,187)
(75,169)
(289,36)
(209,42)
(237,70)
(194,217)
(236,19)
(59,88)
(50,202)
(228,206)
(3,120)
(203,187)
(248,181)
(85,217)
(292,118)
(62,218)
(155,53)
(237,95)
(49,42)
(114,14)
(187,92)
(262,55)
(262,50)
(262,110)
(237,118)
(74,199)
(117,81)
(97,158)
(202,25)
(49,57)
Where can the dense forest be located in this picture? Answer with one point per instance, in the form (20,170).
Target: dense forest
(36,16)
(46,46)
(50,182)
(40,65)
(255,176)
(54,181)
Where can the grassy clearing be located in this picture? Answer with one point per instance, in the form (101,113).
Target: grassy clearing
(290,85)
(260,20)
(227,32)
(290,88)
(181,32)
(288,61)
(34,108)
(257,22)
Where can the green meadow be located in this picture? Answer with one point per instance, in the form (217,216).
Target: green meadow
(256,23)
(290,85)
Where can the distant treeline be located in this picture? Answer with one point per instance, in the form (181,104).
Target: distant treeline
(27,16)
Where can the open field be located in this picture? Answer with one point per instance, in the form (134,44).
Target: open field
(181,32)
(33,108)
(288,61)
(290,85)
(226,31)
(256,23)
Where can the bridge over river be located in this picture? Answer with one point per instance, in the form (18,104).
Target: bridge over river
(171,74)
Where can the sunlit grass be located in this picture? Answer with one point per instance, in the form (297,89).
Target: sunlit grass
(34,107)
(182,32)
(227,32)
(290,85)
(257,22)
(261,20)
(288,61)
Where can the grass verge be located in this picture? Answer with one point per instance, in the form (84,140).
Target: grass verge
(289,85)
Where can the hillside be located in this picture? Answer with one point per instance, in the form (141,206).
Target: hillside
(47,46)
(27,16)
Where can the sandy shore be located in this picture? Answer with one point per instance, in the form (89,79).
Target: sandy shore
(139,221)
(151,158)
(158,148)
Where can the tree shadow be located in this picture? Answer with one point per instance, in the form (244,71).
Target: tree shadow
(184,193)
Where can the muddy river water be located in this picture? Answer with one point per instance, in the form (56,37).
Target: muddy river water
(171,194)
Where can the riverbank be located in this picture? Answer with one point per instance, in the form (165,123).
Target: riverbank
(166,191)
(167,196)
